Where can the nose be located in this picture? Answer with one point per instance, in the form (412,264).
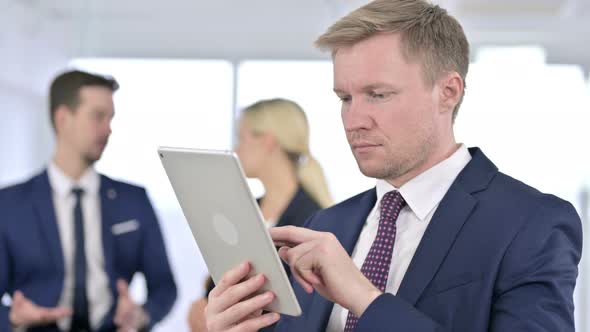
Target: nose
(355,117)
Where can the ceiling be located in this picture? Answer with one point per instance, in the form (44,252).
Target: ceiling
(263,29)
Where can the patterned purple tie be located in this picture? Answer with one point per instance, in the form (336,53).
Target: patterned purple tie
(376,265)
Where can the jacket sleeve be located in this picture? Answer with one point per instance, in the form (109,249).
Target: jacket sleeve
(536,281)
(161,288)
(390,310)
(534,287)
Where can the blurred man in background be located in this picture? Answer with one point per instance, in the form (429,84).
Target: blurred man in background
(72,239)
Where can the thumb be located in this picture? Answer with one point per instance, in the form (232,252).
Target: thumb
(18,297)
(123,288)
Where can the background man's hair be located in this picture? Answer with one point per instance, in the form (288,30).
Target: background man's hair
(65,89)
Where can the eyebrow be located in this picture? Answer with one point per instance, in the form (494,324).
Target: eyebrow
(369,87)
(376,86)
(104,111)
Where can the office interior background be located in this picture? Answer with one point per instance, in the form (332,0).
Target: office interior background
(186,68)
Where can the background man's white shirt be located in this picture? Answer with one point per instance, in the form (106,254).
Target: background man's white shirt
(98,292)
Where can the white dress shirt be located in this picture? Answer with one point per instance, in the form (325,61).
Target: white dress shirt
(97,282)
(422,194)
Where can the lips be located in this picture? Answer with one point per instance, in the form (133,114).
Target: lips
(364,147)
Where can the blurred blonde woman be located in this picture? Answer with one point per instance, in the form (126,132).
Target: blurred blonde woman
(273,146)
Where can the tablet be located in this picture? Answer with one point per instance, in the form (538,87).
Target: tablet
(225,219)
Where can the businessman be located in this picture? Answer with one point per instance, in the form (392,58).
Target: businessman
(445,242)
(71,239)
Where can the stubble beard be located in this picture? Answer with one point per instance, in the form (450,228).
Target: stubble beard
(399,164)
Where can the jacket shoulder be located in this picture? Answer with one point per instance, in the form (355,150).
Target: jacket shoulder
(121,186)
(19,191)
(517,193)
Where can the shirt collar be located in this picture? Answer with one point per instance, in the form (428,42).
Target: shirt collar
(425,191)
(62,184)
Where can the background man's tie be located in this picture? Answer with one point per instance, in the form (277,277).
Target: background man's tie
(80,321)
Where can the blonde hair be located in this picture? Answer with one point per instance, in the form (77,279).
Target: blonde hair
(428,34)
(286,121)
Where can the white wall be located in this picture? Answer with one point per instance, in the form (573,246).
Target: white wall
(32,48)
(24,143)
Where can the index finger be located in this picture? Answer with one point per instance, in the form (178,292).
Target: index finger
(54,314)
(292,236)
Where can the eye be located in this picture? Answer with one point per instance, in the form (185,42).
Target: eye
(345,99)
(376,95)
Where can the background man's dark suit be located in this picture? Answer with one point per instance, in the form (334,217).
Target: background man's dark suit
(31,257)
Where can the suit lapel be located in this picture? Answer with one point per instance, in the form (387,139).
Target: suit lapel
(43,206)
(452,212)
(446,223)
(347,227)
(355,213)
(108,195)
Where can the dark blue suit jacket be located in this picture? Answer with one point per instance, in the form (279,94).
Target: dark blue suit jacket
(299,209)
(31,258)
(497,256)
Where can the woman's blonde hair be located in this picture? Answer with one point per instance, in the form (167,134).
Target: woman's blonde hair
(286,121)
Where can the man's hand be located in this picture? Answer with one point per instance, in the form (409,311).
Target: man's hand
(24,313)
(196,316)
(318,261)
(231,307)
(128,316)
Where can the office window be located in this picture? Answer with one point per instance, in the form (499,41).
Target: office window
(529,117)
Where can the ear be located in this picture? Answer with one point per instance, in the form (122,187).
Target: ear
(61,116)
(451,91)
(270,141)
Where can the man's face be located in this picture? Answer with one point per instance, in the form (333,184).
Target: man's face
(389,112)
(86,129)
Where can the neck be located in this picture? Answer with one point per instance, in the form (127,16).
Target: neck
(280,183)
(69,163)
(441,153)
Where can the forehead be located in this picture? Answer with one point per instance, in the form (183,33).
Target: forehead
(96,96)
(378,58)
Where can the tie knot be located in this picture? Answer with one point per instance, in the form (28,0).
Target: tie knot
(78,192)
(392,201)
